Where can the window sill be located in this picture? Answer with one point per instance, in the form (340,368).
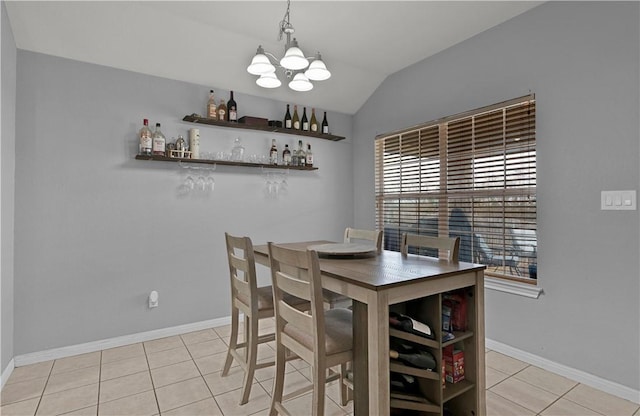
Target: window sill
(515,288)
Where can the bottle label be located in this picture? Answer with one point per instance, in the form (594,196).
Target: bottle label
(325,129)
(211,111)
(221,114)
(309,160)
(296,125)
(287,124)
(158,145)
(305,126)
(314,127)
(233,114)
(145,143)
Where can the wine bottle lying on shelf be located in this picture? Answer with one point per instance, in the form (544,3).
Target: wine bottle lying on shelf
(410,325)
(404,383)
(420,359)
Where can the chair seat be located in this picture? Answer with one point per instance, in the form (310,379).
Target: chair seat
(265,298)
(338,329)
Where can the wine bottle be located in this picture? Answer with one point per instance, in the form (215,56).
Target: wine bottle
(146,141)
(309,161)
(287,119)
(286,155)
(222,110)
(410,325)
(159,141)
(313,125)
(325,124)
(211,106)
(232,110)
(305,121)
(273,153)
(295,121)
(421,359)
(404,383)
(302,156)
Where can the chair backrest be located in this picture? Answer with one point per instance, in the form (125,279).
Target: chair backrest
(297,273)
(452,245)
(484,252)
(370,235)
(242,271)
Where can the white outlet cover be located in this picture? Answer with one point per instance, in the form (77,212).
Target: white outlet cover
(618,200)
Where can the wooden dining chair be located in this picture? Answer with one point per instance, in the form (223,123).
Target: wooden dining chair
(255,303)
(451,244)
(322,338)
(352,235)
(375,236)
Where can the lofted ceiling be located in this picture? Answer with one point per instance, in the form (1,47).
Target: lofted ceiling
(212,42)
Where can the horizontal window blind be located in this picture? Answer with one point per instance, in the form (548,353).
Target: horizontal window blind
(472,176)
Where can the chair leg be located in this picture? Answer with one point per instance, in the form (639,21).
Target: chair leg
(278,383)
(345,394)
(319,378)
(251,357)
(233,341)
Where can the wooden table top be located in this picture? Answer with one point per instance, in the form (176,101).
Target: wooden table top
(384,270)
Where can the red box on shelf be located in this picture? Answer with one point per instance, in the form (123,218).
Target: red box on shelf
(456,304)
(453,364)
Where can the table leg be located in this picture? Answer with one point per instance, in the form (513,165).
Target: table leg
(360,362)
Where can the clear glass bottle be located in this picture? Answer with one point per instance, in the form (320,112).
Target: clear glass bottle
(159,141)
(309,161)
(286,156)
(237,152)
(302,156)
(273,153)
(146,141)
(211,106)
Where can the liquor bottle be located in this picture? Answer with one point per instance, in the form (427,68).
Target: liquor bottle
(294,158)
(232,109)
(305,121)
(159,141)
(287,119)
(211,106)
(410,325)
(146,142)
(222,110)
(325,125)
(313,125)
(420,359)
(295,120)
(286,156)
(273,153)
(302,156)
(309,161)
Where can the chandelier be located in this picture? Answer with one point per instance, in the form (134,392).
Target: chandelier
(293,64)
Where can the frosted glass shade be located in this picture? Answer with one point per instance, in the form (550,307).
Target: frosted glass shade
(260,64)
(294,58)
(300,83)
(269,80)
(317,70)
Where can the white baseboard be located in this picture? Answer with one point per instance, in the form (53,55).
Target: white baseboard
(56,353)
(577,375)
(6,373)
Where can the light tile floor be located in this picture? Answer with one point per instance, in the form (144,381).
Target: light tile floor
(181,375)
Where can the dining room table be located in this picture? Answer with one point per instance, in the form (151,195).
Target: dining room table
(375,282)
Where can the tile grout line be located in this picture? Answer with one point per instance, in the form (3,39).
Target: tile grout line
(35,412)
(153,386)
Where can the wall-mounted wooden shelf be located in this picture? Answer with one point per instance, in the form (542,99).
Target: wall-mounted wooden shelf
(269,129)
(221,162)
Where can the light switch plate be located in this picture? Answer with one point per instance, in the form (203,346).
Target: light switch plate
(618,200)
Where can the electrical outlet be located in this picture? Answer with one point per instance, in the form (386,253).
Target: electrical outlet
(153,299)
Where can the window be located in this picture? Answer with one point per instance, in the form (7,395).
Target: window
(472,176)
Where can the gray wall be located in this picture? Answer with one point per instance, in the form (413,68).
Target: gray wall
(7,150)
(96,230)
(581,60)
